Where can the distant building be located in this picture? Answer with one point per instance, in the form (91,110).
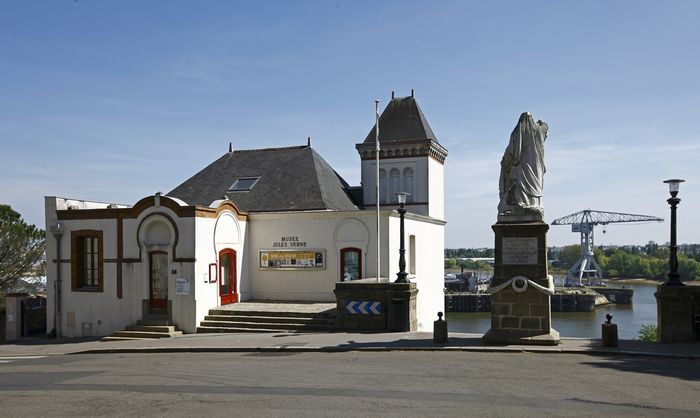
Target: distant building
(260,224)
(488,260)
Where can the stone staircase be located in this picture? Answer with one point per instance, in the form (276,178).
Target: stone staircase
(148,328)
(232,321)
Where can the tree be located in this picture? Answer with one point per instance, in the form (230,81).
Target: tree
(662,253)
(21,249)
(602,260)
(569,255)
(620,261)
(651,247)
(688,267)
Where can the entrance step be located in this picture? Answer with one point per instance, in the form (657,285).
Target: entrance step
(146,329)
(279,318)
(155,320)
(113,338)
(167,329)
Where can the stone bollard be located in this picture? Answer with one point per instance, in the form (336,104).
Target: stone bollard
(609,337)
(439,330)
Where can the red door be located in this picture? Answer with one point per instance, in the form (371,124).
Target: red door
(227,277)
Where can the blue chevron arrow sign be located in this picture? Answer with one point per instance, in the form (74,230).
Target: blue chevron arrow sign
(364,307)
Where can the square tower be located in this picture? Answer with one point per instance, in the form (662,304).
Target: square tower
(411,160)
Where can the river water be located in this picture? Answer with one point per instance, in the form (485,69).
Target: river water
(629,318)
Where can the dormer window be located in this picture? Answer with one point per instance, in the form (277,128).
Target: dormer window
(243,184)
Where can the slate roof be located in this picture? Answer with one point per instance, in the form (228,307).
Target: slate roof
(401,120)
(291,179)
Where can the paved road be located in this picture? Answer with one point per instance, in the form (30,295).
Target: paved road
(348,384)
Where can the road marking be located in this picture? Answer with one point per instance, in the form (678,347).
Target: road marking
(10,359)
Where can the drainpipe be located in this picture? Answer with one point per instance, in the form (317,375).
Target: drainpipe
(57,231)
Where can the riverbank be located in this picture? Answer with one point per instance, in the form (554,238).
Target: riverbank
(624,280)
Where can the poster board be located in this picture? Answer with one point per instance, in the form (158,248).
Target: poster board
(292,259)
(182,286)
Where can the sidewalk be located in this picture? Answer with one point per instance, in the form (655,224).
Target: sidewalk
(334,342)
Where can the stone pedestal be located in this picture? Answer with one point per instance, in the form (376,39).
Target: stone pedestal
(678,313)
(365,305)
(520,301)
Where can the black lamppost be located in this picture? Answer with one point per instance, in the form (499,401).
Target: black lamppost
(401,275)
(673,276)
(57,231)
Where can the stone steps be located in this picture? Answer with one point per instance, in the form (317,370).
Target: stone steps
(154,322)
(305,319)
(146,329)
(269,325)
(274,314)
(233,330)
(153,328)
(113,338)
(236,321)
(146,334)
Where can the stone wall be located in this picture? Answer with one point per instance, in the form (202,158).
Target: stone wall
(528,311)
(397,311)
(678,313)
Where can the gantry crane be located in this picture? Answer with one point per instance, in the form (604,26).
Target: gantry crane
(587,267)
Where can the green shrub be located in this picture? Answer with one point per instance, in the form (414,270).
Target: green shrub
(648,333)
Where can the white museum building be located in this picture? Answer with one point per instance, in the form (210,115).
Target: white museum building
(274,224)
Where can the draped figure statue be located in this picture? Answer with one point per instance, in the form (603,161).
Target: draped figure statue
(522,170)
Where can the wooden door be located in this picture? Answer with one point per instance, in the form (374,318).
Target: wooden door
(227,277)
(158,281)
(350,264)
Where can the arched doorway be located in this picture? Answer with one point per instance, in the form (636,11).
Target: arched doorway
(350,264)
(228,290)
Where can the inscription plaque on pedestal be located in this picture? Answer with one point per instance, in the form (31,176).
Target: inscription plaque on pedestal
(519,250)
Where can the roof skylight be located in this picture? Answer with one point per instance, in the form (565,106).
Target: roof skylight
(243,184)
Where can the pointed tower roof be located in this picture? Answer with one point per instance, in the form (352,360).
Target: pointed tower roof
(403,132)
(401,120)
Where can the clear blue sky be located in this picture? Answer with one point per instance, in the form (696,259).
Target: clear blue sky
(113,101)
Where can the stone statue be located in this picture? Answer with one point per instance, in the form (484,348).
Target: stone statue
(522,171)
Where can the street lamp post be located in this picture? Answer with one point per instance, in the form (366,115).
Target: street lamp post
(401,275)
(673,276)
(57,231)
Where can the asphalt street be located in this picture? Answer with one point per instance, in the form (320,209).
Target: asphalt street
(397,383)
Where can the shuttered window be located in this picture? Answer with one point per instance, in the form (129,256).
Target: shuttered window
(86,261)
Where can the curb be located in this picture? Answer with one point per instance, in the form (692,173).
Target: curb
(332,349)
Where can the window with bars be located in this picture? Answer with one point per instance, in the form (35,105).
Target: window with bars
(86,260)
